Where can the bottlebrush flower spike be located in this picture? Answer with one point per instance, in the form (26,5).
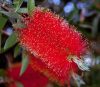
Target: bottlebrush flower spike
(29,78)
(54,42)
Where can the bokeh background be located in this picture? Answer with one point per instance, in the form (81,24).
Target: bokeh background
(83,14)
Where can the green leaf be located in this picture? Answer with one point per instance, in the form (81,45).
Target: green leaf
(2,24)
(0,41)
(95,24)
(22,10)
(16,51)
(4,20)
(30,6)
(19,25)
(85,26)
(11,14)
(2,72)
(19,84)
(11,41)
(75,11)
(17,4)
(25,63)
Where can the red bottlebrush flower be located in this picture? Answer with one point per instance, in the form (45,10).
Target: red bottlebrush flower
(40,66)
(29,78)
(54,42)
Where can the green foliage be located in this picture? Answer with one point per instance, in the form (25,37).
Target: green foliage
(74,12)
(11,41)
(95,24)
(10,14)
(4,20)
(0,42)
(2,73)
(25,62)
(19,24)
(17,4)
(30,6)
(86,22)
(22,10)
(16,51)
(2,24)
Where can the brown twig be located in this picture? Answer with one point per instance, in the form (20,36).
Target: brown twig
(6,7)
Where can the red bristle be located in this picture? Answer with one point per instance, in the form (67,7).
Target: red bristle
(52,40)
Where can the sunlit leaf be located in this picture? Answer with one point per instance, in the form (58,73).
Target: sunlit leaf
(25,62)
(30,5)
(11,41)
(17,4)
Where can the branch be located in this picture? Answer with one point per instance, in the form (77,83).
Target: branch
(2,5)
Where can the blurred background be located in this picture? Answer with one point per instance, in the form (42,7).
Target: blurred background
(83,14)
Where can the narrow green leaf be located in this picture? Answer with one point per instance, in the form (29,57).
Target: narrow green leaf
(19,84)
(19,25)
(25,63)
(17,4)
(2,24)
(22,10)
(30,5)
(85,26)
(95,24)
(2,72)
(75,11)
(16,51)
(0,41)
(11,41)
(4,20)
(10,14)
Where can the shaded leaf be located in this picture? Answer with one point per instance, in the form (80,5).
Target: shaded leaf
(16,51)
(2,24)
(73,13)
(30,5)
(25,63)
(19,25)
(22,10)
(10,14)
(95,25)
(4,20)
(85,26)
(11,41)
(0,42)
(2,72)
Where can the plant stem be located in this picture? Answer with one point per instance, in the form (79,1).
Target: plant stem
(6,7)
